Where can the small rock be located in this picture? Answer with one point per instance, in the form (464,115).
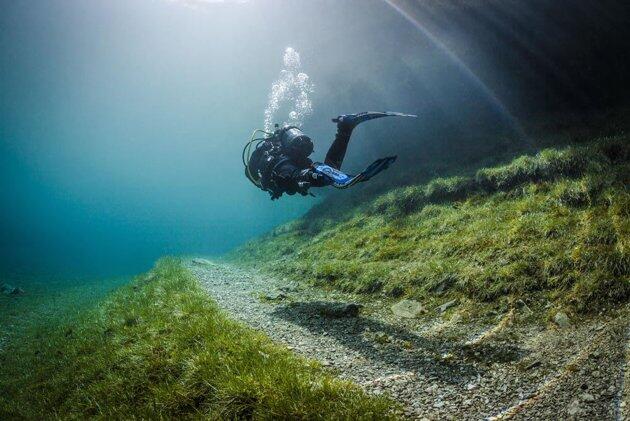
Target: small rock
(456,318)
(471,386)
(341,309)
(445,284)
(149,277)
(290,287)
(446,306)
(275,296)
(431,388)
(11,290)
(587,397)
(574,407)
(382,338)
(533,364)
(408,309)
(562,320)
(525,307)
(16,291)
(201,262)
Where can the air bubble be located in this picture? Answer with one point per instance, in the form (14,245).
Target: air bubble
(289,94)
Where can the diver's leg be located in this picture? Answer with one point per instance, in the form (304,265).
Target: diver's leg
(337,151)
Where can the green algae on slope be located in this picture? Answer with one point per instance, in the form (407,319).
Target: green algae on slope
(554,226)
(161,348)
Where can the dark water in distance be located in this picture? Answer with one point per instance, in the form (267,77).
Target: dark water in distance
(122,122)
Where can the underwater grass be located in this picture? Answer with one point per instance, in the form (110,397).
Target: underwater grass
(161,348)
(549,227)
(48,300)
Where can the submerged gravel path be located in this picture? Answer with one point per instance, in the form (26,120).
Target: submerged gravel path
(438,369)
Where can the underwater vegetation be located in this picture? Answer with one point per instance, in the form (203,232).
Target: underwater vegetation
(161,348)
(553,227)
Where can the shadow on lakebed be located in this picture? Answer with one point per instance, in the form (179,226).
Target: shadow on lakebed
(445,359)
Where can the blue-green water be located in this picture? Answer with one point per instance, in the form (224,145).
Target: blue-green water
(122,122)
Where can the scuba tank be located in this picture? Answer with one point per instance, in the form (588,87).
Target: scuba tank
(285,142)
(294,143)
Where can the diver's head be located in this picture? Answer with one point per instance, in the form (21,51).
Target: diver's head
(295,144)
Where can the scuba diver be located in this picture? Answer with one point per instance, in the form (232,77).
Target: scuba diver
(279,163)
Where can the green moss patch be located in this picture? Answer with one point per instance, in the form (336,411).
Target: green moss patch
(160,348)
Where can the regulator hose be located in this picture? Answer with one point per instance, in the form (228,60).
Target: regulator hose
(247,154)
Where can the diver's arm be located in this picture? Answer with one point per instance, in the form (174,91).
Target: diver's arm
(289,178)
(296,179)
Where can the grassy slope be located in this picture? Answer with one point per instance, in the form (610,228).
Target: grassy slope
(554,226)
(159,348)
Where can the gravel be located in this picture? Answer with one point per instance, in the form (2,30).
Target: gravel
(442,368)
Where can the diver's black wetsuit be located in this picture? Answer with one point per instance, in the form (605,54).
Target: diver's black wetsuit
(291,176)
(280,164)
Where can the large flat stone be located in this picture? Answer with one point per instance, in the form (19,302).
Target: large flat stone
(408,309)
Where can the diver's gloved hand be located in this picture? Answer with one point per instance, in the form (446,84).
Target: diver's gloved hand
(312,178)
(303,187)
(347,122)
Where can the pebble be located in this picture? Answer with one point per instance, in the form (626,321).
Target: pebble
(275,296)
(562,320)
(202,262)
(574,407)
(587,397)
(446,306)
(11,290)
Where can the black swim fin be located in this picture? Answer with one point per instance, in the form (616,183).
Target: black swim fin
(350,121)
(376,167)
(341,180)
